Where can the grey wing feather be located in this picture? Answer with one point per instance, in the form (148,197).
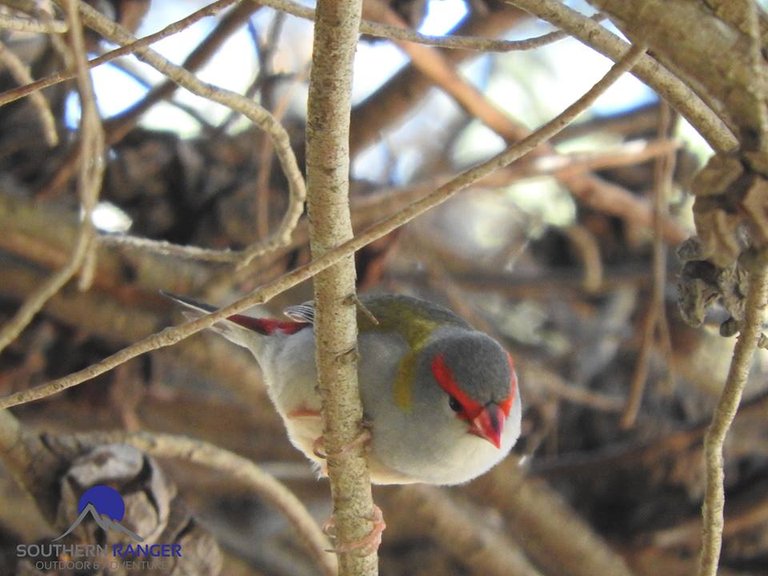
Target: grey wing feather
(301,312)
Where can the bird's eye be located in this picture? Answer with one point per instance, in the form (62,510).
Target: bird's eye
(454,404)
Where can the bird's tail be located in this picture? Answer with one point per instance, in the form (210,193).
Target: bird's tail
(237,328)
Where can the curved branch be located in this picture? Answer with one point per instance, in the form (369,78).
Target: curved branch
(248,108)
(82,259)
(680,97)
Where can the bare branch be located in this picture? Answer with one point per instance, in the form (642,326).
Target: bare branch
(395,32)
(741,363)
(248,108)
(548,530)
(21,74)
(672,89)
(51,80)
(482,549)
(330,225)
(89,184)
(29,25)
(172,335)
(655,321)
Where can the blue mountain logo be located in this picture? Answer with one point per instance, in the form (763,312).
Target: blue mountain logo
(106,507)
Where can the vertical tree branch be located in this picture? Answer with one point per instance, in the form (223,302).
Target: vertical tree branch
(714,498)
(655,321)
(336,30)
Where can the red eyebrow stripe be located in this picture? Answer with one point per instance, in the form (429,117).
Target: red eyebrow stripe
(506,405)
(445,379)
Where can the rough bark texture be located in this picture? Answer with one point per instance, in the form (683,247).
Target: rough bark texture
(330,87)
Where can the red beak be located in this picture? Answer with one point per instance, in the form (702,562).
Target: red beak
(489,424)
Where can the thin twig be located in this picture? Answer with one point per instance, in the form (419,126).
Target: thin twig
(588,251)
(34,303)
(118,126)
(266,152)
(655,320)
(248,108)
(92,162)
(466,42)
(21,74)
(371,28)
(172,335)
(58,77)
(578,395)
(452,42)
(588,188)
(265,54)
(228,24)
(666,84)
(434,65)
(741,363)
(89,184)
(613,200)
(632,152)
(34,26)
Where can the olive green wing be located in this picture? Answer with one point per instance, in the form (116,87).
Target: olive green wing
(414,320)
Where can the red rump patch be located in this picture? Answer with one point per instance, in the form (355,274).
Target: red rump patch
(268,326)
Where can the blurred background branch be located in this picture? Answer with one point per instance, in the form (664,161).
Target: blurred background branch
(559,254)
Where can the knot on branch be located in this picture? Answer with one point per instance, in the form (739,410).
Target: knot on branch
(145,490)
(730,212)
(153,511)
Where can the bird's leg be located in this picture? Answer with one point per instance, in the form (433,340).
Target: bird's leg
(372,541)
(364,438)
(367,544)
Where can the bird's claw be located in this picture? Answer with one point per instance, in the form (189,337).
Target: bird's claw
(364,546)
(318,446)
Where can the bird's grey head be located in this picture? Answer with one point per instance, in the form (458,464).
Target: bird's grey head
(474,376)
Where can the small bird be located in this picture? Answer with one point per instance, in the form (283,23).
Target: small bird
(440,399)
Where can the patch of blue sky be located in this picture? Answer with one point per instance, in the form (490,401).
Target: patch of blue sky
(376,62)
(559,73)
